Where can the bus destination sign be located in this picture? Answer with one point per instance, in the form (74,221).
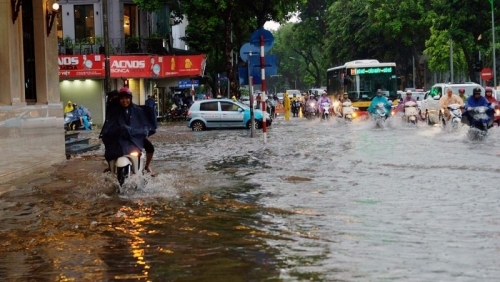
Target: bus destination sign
(375,70)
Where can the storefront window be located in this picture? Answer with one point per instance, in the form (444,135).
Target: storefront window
(84,22)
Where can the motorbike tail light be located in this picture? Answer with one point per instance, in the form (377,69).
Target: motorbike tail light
(189,113)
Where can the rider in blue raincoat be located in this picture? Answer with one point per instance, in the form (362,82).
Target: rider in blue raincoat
(476,100)
(380,99)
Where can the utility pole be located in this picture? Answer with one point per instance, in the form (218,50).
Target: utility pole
(107,67)
(493,35)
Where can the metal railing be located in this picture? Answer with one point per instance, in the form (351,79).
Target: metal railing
(117,46)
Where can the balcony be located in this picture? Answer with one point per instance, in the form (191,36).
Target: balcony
(117,46)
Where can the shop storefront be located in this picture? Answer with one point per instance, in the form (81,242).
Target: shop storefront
(82,76)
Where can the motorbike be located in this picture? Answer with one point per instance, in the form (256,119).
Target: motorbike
(411,112)
(72,122)
(311,109)
(175,114)
(326,110)
(480,124)
(455,116)
(380,115)
(125,166)
(348,111)
(296,108)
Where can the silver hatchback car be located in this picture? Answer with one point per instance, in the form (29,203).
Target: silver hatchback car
(223,113)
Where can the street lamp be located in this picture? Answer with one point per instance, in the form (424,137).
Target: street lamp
(493,38)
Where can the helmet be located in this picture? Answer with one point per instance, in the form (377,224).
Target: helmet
(476,90)
(461,90)
(408,91)
(488,89)
(124,91)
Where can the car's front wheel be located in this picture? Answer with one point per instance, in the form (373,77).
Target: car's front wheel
(256,124)
(198,126)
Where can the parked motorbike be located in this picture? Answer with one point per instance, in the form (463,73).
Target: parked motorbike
(348,111)
(380,115)
(326,110)
(480,124)
(311,109)
(72,122)
(175,114)
(411,112)
(296,108)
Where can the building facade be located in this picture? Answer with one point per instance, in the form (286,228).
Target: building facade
(31,112)
(141,53)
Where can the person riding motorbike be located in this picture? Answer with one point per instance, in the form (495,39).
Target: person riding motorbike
(449,99)
(324,99)
(128,127)
(379,99)
(476,100)
(295,102)
(489,96)
(343,97)
(408,98)
(461,94)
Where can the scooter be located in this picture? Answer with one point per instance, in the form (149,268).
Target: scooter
(455,116)
(348,111)
(380,115)
(126,166)
(481,122)
(326,110)
(311,110)
(71,122)
(411,112)
(296,108)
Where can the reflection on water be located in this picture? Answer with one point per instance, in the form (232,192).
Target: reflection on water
(198,237)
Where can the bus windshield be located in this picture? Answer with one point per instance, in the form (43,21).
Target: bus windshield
(363,86)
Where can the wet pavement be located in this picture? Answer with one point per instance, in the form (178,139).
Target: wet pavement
(323,201)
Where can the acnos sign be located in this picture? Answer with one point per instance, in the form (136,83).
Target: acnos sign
(126,66)
(67,63)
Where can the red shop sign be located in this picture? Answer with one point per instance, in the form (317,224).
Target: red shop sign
(77,66)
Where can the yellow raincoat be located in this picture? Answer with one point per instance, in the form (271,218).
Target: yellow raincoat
(68,108)
(286,105)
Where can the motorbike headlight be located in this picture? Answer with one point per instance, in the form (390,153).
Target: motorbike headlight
(354,114)
(497,112)
(336,104)
(135,154)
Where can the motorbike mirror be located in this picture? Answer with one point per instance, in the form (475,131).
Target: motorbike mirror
(437,97)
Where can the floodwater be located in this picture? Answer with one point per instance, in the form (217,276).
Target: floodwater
(322,201)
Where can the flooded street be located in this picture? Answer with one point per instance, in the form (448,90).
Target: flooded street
(322,201)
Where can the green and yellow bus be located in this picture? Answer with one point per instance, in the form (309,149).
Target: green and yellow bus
(361,79)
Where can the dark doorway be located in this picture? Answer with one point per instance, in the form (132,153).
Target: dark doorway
(29,53)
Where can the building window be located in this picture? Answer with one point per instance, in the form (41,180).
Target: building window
(84,22)
(130,20)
